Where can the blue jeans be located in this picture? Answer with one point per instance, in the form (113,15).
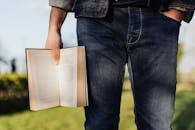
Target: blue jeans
(146,41)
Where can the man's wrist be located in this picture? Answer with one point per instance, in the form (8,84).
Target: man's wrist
(54,28)
(57,17)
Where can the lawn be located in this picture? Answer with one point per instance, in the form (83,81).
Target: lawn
(62,118)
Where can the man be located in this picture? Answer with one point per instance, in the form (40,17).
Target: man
(141,33)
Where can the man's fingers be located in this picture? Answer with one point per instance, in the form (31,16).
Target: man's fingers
(56,55)
(174,14)
(53,42)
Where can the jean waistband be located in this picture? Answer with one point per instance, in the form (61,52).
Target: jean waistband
(154,4)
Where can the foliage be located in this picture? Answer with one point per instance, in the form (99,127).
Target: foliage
(13,83)
(185,112)
(13,93)
(180,52)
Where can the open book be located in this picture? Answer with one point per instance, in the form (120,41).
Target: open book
(52,85)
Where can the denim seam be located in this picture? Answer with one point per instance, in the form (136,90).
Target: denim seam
(140,29)
(131,73)
(148,3)
(129,22)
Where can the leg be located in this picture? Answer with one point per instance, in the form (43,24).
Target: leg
(105,67)
(152,61)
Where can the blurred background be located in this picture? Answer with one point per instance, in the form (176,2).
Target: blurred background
(24,24)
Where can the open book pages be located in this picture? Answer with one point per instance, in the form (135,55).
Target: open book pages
(53,85)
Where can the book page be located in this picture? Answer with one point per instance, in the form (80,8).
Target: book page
(67,69)
(44,79)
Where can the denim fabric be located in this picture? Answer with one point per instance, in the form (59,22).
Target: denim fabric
(146,41)
(155,4)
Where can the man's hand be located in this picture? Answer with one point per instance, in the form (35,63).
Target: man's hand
(174,14)
(54,41)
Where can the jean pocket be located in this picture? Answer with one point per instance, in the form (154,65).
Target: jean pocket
(169,19)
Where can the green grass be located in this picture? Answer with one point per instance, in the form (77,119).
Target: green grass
(52,119)
(185,111)
(63,118)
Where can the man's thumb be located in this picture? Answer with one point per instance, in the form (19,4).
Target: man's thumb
(56,55)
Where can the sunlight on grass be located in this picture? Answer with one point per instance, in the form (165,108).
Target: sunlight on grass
(63,118)
(52,119)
